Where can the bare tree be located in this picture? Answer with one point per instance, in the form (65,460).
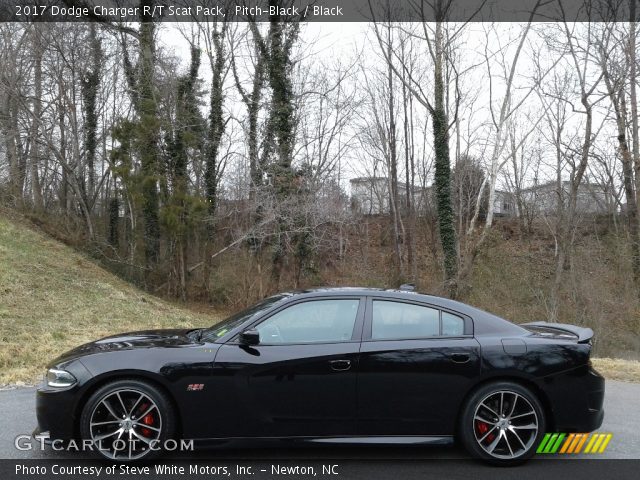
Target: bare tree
(572,149)
(616,56)
(438,41)
(15,38)
(276,47)
(500,120)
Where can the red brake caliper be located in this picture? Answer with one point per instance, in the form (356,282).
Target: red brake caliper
(482,429)
(147,420)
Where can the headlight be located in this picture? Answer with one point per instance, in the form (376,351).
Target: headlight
(59,378)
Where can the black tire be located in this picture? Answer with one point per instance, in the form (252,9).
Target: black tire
(154,408)
(509,438)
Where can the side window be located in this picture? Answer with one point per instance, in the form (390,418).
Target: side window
(452,325)
(315,321)
(397,320)
(403,320)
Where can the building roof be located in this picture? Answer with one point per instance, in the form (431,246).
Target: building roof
(552,183)
(372,180)
(367,179)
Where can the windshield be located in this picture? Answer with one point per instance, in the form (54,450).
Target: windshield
(220,329)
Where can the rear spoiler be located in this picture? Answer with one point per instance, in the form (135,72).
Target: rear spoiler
(584,334)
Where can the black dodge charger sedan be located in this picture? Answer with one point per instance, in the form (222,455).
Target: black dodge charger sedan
(332,365)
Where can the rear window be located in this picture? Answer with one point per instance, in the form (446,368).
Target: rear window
(452,325)
(398,320)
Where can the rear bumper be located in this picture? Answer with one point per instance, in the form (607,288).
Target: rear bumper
(595,420)
(576,399)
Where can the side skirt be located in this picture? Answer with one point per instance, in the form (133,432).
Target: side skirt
(391,440)
(370,440)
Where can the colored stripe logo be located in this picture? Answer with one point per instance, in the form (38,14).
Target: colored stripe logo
(574,443)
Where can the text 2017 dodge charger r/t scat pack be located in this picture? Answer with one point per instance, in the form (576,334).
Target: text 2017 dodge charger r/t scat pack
(343,365)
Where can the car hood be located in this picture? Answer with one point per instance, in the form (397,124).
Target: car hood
(167,338)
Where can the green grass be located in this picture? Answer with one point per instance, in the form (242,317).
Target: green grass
(53,298)
(616,369)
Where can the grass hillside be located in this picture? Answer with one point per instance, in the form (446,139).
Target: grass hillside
(53,298)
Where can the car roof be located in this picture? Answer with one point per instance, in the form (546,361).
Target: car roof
(379,292)
(484,322)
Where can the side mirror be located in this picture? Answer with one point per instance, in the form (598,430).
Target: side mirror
(250,337)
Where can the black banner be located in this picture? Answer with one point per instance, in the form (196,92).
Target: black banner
(535,469)
(114,11)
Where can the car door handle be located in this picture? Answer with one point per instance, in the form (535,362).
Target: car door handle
(340,365)
(460,357)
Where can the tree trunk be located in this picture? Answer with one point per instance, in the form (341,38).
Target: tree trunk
(281,125)
(616,94)
(253,110)
(148,136)
(393,167)
(114,212)
(64,183)
(90,85)
(442,164)
(186,129)
(629,190)
(635,230)
(409,179)
(34,149)
(10,134)
(214,139)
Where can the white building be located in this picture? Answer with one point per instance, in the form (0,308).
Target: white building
(370,196)
(592,198)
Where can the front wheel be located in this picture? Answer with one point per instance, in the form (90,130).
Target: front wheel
(502,423)
(127,420)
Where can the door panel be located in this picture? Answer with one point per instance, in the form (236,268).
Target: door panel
(300,380)
(413,386)
(286,390)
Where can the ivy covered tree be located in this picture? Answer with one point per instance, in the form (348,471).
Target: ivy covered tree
(141,81)
(90,87)
(186,140)
(276,51)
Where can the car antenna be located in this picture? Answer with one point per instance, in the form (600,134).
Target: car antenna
(408,287)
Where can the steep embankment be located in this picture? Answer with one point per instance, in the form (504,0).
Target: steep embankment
(53,298)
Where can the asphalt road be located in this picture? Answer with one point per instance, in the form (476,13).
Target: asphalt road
(622,418)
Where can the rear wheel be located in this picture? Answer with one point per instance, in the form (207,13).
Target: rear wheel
(127,420)
(502,423)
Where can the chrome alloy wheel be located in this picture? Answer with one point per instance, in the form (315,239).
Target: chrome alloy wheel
(505,424)
(125,424)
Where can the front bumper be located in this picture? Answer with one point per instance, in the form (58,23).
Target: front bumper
(55,411)
(38,434)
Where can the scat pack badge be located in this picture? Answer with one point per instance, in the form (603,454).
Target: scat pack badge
(195,387)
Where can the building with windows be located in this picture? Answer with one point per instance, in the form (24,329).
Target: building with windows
(593,198)
(370,196)
(504,204)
